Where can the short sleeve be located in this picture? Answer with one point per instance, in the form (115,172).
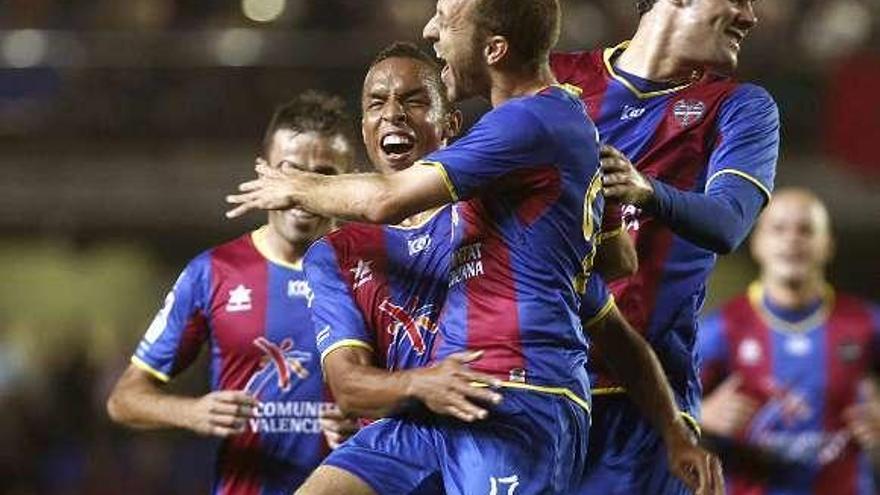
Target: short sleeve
(748,139)
(179,330)
(596,302)
(713,350)
(508,138)
(337,319)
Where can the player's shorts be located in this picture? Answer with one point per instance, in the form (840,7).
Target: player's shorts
(532,443)
(626,454)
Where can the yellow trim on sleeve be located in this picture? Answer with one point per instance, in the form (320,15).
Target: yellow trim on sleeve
(608,391)
(445,175)
(692,422)
(140,363)
(609,305)
(743,175)
(540,388)
(345,343)
(609,54)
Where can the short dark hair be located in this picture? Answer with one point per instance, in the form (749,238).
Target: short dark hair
(405,49)
(530,26)
(311,111)
(643,6)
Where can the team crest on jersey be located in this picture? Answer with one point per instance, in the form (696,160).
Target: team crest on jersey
(363,273)
(414,322)
(688,112)
(749,351)
(849,352)
(279,365)
(630,215)
(239,299)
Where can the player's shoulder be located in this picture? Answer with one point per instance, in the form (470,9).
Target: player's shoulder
(348,240)
(736,93)
(577,66)
(845,302)
(732,309)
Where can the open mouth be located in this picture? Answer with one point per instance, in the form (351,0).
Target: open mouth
(736,37)
(397,144)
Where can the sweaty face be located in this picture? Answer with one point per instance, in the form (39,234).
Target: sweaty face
(792,240)
(456,42)
(403,114)
(712,31)
(312,152)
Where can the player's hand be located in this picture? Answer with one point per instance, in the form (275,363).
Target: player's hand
(337,427)
(863,419)
(621,181)
(451,388)
(272,190)
(699,469)
(727,410)
(220,414)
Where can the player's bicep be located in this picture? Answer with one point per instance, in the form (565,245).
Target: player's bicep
(421,187)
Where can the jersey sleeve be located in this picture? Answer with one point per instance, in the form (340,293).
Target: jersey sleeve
(596,302)
(176,335)
(713,350)
(748,139)
(506,139)
(338,321)
(875,322)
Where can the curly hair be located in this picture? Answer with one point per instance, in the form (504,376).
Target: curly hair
(311,111)
(643,6)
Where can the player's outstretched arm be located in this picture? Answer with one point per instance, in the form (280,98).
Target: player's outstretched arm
(373,198)
(361,389)
(139,401)
(631,360)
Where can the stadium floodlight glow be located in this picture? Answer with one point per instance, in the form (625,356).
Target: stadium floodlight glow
(238,47)
(263,10)
(25,48)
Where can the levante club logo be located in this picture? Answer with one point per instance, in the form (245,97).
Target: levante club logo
(278,367)
(413,322)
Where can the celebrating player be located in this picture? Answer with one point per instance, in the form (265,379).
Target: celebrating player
(250,301)
(696,163)
(791,361)
(527,177)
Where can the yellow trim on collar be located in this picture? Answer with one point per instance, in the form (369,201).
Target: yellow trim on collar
(609,53)
(259,239)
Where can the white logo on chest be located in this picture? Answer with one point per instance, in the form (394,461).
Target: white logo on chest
(749,351)
(418,244)
(239,299)
(301,289)
(630,113)
(363,273)
(798,345)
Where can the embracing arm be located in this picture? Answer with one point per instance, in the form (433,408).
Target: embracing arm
(362,389)
(372,198)
(139,401)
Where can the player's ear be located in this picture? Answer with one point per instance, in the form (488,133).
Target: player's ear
(496,50)
(453,125)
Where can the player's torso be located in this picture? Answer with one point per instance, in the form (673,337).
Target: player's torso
(668,134)
(804,377)
(262,342)
(518,250)
(398,277)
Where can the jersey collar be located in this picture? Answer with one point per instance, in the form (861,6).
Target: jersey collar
(258,237)
(611,54)
(809,322)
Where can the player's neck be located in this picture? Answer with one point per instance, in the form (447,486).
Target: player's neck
(651,55)
(508,85)
(794,295)
(281,249)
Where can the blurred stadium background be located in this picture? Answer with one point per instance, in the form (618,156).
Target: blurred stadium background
(123,124)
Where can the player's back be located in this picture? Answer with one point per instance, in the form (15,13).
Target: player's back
(687,136)
(804,369)
(382,288)
(523,173)
(253,312)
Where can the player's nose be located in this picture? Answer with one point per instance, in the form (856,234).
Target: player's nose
(746,17)
(430,32)
(393,111)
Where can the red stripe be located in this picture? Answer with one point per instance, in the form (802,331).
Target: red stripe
(233,265)
(849,326)
(584,70)
(492,312)
(194,336)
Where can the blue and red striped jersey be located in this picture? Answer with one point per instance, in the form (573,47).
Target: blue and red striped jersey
(254,314)
(686,136)
(804,372)
(381,288)
(529,201)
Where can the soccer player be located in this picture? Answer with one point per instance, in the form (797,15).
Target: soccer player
(384,316)
(527,180)
(248,300)
(788,364)
(696,164)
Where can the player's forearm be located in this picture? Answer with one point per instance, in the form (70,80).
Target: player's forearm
(142,408)
(356,197)
(616,257)
(718,220)
(369,392)
(631,360)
